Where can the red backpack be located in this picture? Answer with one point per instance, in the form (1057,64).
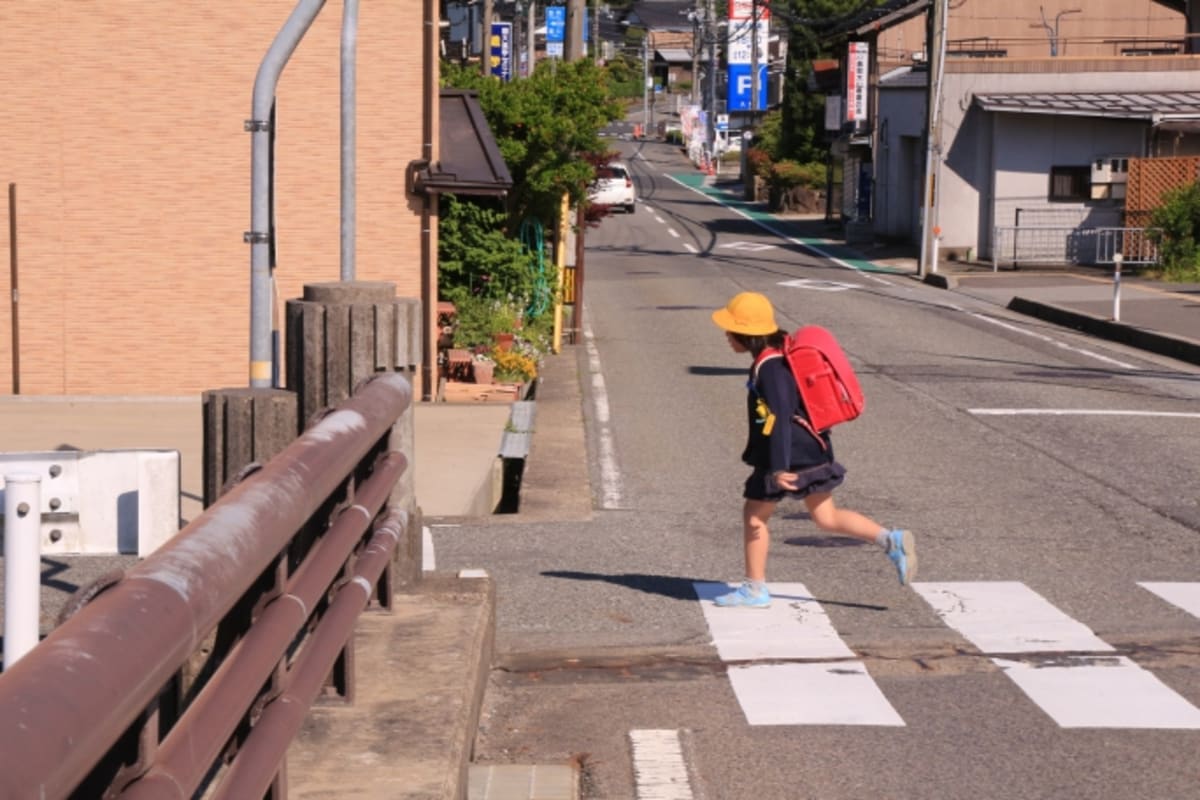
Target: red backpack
(827,383)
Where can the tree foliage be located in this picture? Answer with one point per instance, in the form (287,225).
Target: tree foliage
(803,110)
(476,258)
(545,126)
(1178,236)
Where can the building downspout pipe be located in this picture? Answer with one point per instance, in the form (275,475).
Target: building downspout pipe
(261,234)
(349,135)
(428,257)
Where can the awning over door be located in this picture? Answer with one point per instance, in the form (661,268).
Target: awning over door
(469,160)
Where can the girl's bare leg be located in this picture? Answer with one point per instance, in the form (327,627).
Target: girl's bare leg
(755,537)
(828,517)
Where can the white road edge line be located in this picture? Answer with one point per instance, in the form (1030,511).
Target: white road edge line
(658,766)
(873,277)
(1050,340)
(610,477)
(1081,412)
(782,235)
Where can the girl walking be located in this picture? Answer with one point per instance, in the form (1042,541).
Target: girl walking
(788,460)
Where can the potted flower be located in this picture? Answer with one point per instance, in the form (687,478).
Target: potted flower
(514,365)
(483,368)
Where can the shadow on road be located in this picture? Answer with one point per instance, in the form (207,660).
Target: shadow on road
(681,588)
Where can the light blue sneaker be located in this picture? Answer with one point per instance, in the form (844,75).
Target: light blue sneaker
(744,596)
(902,550)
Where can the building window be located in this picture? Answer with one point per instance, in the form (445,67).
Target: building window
(1070,184)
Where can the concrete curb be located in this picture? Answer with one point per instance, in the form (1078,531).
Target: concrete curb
(941,280)
(1177,347)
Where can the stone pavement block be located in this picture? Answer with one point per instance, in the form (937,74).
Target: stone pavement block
(523,782)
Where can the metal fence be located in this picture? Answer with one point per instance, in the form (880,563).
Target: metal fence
(191,674)
(1049,245)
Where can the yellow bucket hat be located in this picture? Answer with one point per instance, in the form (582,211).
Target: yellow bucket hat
(749,313)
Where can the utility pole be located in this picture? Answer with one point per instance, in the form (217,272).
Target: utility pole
(485,41)
(697,45)
(597,56)
(645,83)
(531,44)
(710,24)
(576,11)
(516,40)
(935,38)
(754,12)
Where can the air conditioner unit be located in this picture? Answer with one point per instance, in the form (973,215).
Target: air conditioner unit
(1110,174)
(1110,169)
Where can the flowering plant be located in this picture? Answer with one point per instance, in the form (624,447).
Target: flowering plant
(514,366)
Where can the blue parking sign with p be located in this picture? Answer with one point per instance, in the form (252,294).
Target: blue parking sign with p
(740,85)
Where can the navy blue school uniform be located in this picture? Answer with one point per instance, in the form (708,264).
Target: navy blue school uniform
(776,443)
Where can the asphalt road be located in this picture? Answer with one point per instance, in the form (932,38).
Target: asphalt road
(1046,650)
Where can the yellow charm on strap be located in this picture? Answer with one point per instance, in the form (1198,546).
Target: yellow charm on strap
(764,416)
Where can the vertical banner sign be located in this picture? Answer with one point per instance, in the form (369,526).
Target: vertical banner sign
(856,83)
(556,30)
(744,29)
(500,50)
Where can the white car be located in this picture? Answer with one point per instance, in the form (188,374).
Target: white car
(614,187)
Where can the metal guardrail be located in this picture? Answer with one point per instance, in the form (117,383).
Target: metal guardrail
(1136,245)
(1014,245)
(193,671)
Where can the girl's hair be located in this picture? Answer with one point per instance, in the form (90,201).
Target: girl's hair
(756,344)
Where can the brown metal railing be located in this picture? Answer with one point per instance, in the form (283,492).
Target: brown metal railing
(193,673)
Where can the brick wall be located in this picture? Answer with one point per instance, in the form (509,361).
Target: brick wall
(1102,28)
(122,128)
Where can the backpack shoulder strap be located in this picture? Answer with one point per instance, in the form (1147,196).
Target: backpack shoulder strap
(765,355)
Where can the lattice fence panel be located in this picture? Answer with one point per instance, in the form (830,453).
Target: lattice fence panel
(1150,179)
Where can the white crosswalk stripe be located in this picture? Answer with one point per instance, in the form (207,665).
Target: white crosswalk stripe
(794,627)
(1069,672)
(1008,617)
(1184,595)
(822,693)
(1104,691)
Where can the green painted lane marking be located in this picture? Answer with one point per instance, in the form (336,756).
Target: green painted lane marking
(783,227)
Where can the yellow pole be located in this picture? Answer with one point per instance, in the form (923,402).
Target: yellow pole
(560,261)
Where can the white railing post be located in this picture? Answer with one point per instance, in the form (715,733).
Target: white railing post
(933,260)
(22,564)
(1117,259)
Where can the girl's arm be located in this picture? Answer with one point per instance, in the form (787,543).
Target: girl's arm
(778,388)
